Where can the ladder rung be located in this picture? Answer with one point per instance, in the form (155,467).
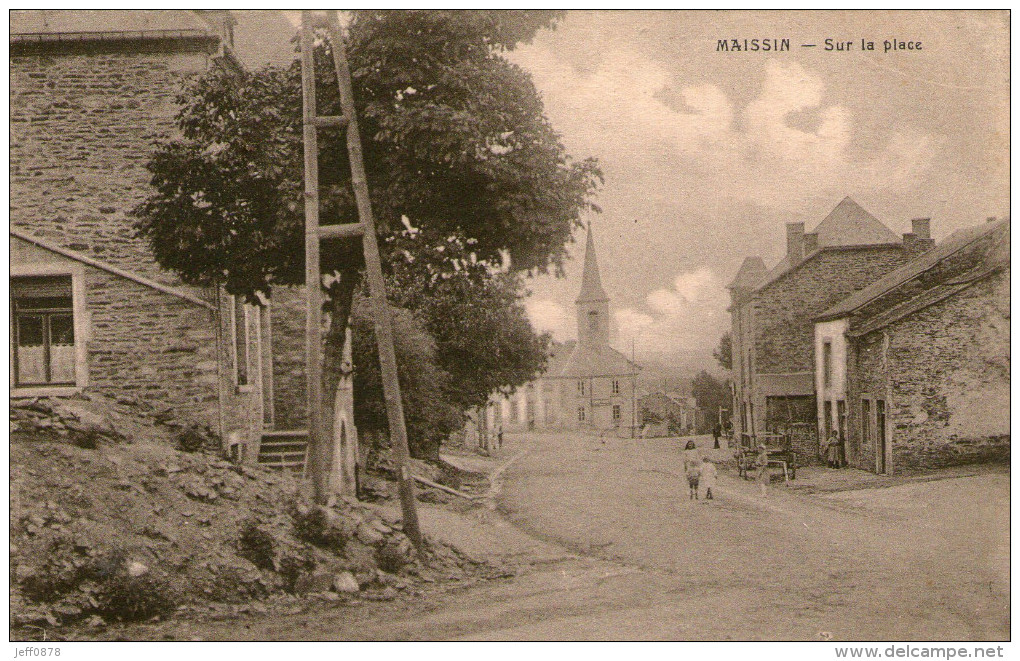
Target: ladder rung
(344,231)
(325,121)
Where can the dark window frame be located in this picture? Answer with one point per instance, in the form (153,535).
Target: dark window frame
(54,307)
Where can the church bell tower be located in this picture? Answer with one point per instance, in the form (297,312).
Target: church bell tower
(592,303)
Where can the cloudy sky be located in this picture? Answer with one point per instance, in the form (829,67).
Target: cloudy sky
(708,154)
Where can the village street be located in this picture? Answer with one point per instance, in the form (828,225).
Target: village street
(613,549)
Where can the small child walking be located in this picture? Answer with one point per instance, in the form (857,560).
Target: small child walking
(708,476)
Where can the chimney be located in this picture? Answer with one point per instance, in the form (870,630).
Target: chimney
(921,227)
(810,243)
(795,242)
(914,244)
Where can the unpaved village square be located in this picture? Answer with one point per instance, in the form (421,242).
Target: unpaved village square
(510,325)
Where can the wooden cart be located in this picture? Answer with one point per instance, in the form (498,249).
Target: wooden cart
(780,455)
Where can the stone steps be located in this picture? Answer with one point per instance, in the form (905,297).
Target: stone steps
(284,450)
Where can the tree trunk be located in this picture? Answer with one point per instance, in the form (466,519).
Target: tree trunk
(338,386)
(483,427)
(344,478)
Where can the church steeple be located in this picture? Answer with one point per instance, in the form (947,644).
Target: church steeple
(591,283)
(592,302)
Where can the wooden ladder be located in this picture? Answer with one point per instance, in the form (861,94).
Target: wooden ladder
(319,438)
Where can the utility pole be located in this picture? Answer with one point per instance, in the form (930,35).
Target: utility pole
(365,229)
(318,449)
(633,392)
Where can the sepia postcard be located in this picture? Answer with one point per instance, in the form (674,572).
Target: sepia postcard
(510,325)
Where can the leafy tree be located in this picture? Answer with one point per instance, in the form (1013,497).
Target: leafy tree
(710,393)
(484,339)
(724,352)
(430,415)
(455,143)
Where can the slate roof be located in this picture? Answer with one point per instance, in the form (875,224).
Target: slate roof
(585,362)
(951,245)
(751,272)
(591,283)
(558,357)
(928,297)
(97,22)
(847,225)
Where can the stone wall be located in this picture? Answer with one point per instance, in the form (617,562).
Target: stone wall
(867,377)
(786,308)
(945,381)
(82,128)
(288,330)
(144,343)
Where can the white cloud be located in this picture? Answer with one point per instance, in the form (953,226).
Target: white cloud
(549,316)
(618,112)
(687,318)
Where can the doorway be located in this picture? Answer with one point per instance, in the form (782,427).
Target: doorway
(881,442)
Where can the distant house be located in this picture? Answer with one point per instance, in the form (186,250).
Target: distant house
(913,370)
(587,384)
(773,314)
(670,413)
(90,309)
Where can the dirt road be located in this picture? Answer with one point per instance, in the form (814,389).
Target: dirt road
(612,549)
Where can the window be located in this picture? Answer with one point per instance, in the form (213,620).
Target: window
(593,321)
(514,414)
(580,414)
(239,329)
(616,412)
(616,386)
(42,326)
(827,363)
(580,388)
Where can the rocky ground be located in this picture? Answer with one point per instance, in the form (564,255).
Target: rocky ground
(117,517)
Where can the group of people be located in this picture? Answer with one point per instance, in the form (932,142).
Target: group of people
(701,471)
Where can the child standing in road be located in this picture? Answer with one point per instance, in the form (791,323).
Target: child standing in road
(762,462)
(708,476)
(692,468)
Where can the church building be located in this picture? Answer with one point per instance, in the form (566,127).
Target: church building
(587,385)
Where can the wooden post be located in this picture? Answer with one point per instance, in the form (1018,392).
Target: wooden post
(345,433)
(377,290)
(318,460)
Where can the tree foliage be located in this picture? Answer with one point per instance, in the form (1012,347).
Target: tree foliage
(428,411)
(454,139)
(455,144)
(723,353)
(484,339)
(710,392)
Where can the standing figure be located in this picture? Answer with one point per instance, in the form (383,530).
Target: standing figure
(762,462)
(716,433)
(692,468)
(832,451)
(707,476)
(499,436)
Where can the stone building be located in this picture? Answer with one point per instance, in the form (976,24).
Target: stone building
(665,414)
(773,314)
(91,91)
(913,370)
(587,384)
